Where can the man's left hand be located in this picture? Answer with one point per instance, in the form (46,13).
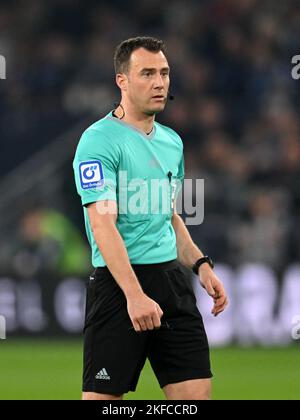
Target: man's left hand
(214,287)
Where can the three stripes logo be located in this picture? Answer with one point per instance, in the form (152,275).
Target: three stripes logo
(103,375)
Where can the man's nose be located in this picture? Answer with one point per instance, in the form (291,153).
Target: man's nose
(159,82)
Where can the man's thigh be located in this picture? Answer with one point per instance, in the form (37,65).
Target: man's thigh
(195,389)
(87,396)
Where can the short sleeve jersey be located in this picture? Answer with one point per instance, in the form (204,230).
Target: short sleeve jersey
(142,173)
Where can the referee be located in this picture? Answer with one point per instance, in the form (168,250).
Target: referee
(140,303)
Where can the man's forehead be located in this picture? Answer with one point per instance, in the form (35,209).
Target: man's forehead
(142,58)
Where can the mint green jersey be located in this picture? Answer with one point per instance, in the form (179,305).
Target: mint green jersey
(116,161)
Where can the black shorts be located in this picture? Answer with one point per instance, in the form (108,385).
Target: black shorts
(114,353)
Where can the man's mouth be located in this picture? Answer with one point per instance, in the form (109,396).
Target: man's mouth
(158,97)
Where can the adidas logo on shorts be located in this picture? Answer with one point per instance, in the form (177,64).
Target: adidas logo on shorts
(102,375)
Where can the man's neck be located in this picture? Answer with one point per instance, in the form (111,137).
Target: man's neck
(139,120)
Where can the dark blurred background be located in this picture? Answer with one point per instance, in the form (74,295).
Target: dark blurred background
(236,109)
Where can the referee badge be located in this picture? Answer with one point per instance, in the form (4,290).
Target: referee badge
(91,174)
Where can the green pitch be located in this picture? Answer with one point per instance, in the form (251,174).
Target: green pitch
(52,370)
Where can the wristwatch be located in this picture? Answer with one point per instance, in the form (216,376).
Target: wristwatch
(202,260)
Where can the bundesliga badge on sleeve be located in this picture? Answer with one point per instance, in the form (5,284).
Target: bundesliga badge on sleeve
(91,174)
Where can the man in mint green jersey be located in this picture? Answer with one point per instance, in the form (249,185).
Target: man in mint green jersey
(140,302)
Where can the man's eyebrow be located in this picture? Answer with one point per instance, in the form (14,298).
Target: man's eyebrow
(154,69)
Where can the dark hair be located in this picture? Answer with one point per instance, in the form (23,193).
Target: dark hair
(125,49)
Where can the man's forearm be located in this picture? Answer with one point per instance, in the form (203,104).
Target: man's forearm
(113,250)
(187,250)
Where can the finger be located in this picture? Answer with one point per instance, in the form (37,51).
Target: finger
(210,290)
(220,302)
(218,310)
(221,308)
(159,311)
(225,304)
(156,320)
(142,324)
(136,327)
(149,323)
(219,292)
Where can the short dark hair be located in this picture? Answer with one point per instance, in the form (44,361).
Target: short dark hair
(125,49)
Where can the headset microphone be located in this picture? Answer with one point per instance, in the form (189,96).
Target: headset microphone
(171,97)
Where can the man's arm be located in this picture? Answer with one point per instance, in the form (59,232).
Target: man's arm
(144,312)
(188,254)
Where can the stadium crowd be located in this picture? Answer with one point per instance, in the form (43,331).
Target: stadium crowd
(236,105)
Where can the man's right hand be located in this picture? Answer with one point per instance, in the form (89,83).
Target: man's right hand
(145,313)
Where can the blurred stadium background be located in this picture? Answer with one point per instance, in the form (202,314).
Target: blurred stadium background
(237,110)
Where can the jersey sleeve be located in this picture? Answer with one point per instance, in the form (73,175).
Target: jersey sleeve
(95,167)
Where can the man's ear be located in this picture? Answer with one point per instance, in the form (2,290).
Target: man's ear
(122,81)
